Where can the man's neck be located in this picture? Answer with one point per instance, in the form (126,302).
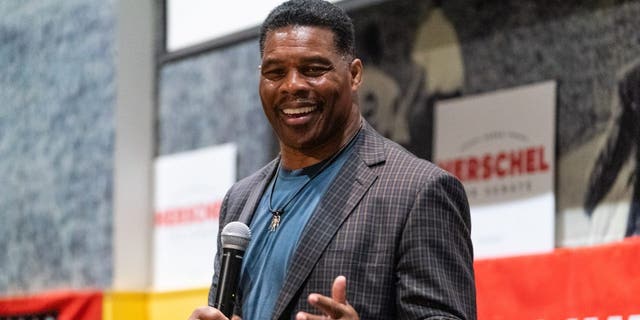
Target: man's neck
(297,158)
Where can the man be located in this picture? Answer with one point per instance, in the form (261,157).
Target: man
(341,203)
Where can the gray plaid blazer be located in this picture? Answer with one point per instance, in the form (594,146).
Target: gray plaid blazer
(396,226)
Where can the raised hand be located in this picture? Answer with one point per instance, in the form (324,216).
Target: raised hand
(207,313)
(334,307)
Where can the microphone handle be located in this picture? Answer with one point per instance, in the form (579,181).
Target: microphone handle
(228,281)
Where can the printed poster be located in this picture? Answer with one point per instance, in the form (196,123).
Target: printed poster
(501,145)
(189,189)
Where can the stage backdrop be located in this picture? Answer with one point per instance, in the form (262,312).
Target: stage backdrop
(417,53)
(420,52)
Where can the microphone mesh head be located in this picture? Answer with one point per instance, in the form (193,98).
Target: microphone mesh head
(235,235)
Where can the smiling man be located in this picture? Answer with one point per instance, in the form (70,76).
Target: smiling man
(345,223)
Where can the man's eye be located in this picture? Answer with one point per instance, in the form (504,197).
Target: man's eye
(273,73)
(314,71)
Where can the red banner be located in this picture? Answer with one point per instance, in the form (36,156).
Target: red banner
(595,283)
(63,305)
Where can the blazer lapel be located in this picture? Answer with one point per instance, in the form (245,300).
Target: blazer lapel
(254,197)
(332,210)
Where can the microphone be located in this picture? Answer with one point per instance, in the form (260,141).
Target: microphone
(235,238)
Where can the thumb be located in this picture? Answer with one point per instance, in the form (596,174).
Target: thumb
(339,290)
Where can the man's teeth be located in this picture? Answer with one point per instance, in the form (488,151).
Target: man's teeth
(295,111)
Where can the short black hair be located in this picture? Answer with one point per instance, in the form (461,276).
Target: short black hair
(314,13)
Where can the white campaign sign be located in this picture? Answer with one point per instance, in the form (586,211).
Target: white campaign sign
(501,145)
(189,188)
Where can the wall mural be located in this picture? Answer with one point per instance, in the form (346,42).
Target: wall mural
(419,52)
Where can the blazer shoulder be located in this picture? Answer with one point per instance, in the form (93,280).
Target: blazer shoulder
(246,183)
(402,162)
(394,164)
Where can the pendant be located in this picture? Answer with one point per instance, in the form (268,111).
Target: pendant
(275,220)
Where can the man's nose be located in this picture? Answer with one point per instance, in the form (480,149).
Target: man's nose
(294,82)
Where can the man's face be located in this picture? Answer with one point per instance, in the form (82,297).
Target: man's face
(307,88)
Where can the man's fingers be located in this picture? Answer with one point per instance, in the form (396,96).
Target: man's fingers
(339,290)
(207,313)
(327,305)
(336,306)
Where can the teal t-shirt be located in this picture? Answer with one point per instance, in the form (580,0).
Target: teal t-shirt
(266,259)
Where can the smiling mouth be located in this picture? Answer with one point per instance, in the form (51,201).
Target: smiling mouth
(293,112)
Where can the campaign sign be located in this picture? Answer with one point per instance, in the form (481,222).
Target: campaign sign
(189,188)
(501,145)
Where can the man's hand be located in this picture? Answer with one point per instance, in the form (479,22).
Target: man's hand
(207,313)
(335,307)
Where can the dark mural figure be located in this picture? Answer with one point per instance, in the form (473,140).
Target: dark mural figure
(623,139)
(380,92)
(401,87)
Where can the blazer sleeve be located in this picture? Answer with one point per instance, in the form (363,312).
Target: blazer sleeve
(228,212)
(435,260)
(216,261)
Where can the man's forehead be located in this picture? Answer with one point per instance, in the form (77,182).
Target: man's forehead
(299,40)
(299,31)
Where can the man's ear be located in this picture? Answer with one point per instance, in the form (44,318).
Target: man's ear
(356,74)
